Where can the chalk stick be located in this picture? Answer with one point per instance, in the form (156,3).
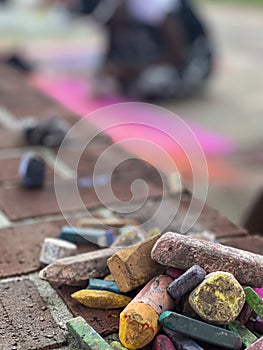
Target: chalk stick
(139,320)
(162,342)
(182,252)
(248,338)
(254,301)
(79,268)
(80,235)
(86,335)
(173,273)
(200,330)
(259,325)
(186,282)
(132,267)
(115,345)
(128,236)
(101,299)
(54,249)
(180,341)
(219,299)
(102,222)
(258,345)
(245,314)
(98,284)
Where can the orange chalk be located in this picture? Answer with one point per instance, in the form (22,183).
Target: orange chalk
(139,320)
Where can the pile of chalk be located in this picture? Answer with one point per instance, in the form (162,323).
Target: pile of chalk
(190,294)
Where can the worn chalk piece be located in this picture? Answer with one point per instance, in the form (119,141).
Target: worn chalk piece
(247,337)
(254,301)
(139,320)
(32,170)
(186,282)
(200,330)
(173,273)
(132,267)
(180,341)
(162,342)
(174,182)
(109,278)
(99,284)
(54,249)
(80,235)
(129,235)
(79,268)
(103,222)
(86,335)
(245,314)
(259,325)
(219,299)
(101,299)
(258,345)
(187,310)
(182,252)
(115,345)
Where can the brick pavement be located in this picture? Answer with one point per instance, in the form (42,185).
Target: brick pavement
(32,313)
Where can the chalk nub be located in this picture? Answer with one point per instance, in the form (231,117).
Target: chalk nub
(139,320)
(101,299)
(182,252)
(54,249)
(162,342)
(219,299)
(132,267)
(78,268)
(86,335)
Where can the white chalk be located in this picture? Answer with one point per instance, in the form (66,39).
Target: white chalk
(54,249)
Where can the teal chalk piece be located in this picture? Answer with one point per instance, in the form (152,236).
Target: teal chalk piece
(99,284)
(81,235)
(200,330)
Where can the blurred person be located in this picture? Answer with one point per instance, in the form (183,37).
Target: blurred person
(157,49)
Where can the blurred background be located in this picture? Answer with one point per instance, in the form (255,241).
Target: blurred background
(64,48)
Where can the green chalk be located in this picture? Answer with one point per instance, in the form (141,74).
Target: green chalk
(86,335)
(115,345)
(254,301)
(248,338)
(200,330)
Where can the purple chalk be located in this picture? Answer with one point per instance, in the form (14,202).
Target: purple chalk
(186,282)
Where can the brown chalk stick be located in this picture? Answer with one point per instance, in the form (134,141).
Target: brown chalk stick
(133,266)
(182,252)
(79,268)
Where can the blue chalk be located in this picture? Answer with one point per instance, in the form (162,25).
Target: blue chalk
(180,341)
(81,235)
(32,170)
(98,284)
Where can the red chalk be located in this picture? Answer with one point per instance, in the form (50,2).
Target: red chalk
(162,342)
(173,272)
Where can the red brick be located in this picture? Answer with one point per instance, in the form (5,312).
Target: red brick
(252,244)
(20,247)
(25,322)
(18,203)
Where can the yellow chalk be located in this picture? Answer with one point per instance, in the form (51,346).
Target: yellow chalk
(138,325)
(218,299)
(101,299)
(109,278)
